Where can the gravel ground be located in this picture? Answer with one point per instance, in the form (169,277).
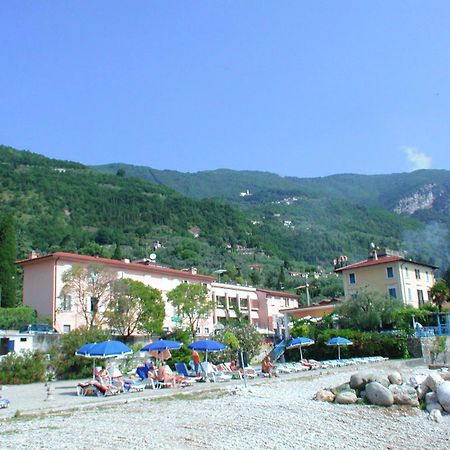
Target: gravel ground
(270,414)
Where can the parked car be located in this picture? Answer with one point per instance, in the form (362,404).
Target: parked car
(37,328)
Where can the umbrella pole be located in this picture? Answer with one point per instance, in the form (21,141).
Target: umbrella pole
(339,352)
(301,354)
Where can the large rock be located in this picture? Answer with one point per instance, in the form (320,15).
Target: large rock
(443,395)
(340,388)
(404,395)
(379,395)
(395,378)
(433,380)
(416,380)
(422,390)
(445,375)
(432,406)
(358,380)
(346,398)
(435,415)
(431,397)
(324,395)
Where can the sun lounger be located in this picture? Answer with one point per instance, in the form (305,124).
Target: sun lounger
(213,374)
(183,371)
(96,388)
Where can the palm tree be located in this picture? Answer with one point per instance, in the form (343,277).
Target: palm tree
(439,293)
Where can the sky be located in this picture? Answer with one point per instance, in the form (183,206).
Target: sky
(294,87)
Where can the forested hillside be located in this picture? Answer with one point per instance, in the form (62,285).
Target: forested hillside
(65,206)
(315,218)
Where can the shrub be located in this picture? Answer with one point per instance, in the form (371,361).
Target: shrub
(14,318)
(391,345)
(68,366)
(23,368)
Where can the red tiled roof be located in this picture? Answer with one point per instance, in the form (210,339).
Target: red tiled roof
(380,260)
(118,264)
(278,293)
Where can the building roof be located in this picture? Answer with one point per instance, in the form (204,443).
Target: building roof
(379,261)
(278,293)
(75,258)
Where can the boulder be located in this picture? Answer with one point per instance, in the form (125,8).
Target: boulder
(431,397)
(382,379)
(433,380)
(360,379)
(435,415)
(395,378)
(422,390)
(404,395)
(346,398)
(340,388)
(443,395)
(415,380)
(379,395)
(445,375)
(433,406)
(324,395)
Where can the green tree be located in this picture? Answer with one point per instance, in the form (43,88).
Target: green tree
(135,307)
(7,262)
(117,252)
(439,293)
(192,303)
(89,286)
(446,277)
(367,311)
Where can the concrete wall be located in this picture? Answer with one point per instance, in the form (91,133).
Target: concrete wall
(428,350)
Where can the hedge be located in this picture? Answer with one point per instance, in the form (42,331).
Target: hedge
(391,345)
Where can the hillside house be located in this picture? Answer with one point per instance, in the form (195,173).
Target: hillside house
(390,273)
(43,291)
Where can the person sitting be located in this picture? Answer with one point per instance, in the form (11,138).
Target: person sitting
(233,365)
(268,368)
(163,375)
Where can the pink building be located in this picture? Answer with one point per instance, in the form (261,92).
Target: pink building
(43,291)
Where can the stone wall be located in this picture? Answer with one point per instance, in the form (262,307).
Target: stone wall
(431,350)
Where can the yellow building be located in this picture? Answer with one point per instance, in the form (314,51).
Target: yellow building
(390,273)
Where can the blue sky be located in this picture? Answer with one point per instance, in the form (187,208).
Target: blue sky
(302,88)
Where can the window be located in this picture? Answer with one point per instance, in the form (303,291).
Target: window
(66,328)
(351,278)
(206,330)
(427,275)
(198,331)
(406,273)
(65,302)
(420,296)
(409,295)
(393,292)
(220,302)
(417,272)
(390,272)
(94,304)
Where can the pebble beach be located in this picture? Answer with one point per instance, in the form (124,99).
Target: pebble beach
(276,413)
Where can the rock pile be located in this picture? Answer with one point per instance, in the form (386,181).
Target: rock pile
(432,390)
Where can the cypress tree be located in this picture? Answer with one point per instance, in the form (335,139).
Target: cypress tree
(7,262)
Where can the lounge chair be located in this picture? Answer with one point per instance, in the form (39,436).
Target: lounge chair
(142,373)
(183,371)
(212,374)
(96,388)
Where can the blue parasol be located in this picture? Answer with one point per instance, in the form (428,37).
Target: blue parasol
(161,345)
(338,341)
(300,342)
(207,345)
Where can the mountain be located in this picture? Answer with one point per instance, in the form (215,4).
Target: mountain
(65,206)
(315,218)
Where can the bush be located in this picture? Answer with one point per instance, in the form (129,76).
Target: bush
(14,318)
(23,368)
(391,345)
(68,366)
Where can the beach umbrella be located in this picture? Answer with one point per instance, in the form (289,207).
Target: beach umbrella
(207,345)
(300,342)
(161,345)
(161,349)
(338,341)
(103,350)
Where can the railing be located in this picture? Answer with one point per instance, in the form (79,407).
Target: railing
(442,330)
